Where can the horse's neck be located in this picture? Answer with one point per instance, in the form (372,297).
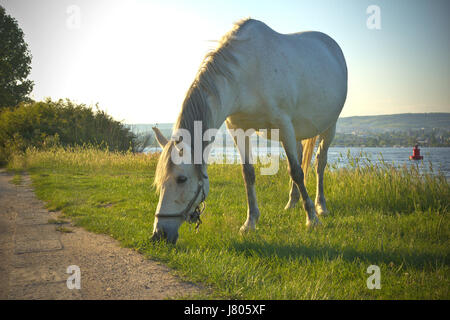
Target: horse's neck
(220,110)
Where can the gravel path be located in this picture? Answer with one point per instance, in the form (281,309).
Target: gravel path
(34,257)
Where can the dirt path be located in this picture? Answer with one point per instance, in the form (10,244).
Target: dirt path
(34,257)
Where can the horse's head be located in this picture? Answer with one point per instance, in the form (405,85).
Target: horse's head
(182,188)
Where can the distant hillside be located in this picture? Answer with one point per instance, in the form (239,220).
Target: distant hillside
(382,123)
(394,122)
(407,129)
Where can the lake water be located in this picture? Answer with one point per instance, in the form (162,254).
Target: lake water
(439,157)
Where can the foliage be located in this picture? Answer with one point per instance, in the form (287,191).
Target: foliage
(47,124)
(15,63)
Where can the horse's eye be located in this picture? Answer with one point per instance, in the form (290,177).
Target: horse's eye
(181,179)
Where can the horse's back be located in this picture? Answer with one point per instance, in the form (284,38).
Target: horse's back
(300,76)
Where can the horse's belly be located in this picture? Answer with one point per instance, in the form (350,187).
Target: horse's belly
(312,119)
(246,121)
(265,122)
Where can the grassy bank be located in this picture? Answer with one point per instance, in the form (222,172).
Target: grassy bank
(381,216)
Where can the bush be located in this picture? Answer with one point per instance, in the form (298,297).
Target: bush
(50,123)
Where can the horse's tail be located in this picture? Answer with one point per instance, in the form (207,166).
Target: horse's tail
(308,149)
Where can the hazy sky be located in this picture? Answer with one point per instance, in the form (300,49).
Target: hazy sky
(138,58)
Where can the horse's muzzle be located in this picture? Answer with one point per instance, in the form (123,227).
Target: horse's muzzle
(170,236)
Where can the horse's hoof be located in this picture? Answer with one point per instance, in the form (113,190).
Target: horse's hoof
(246,229)
(290,205)
(311,223)
(321,211)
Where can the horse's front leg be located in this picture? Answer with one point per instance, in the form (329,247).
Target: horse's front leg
(294,194)
(295,171)
(248,173)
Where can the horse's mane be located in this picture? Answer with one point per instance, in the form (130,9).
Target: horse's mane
(215,63)
(195,105)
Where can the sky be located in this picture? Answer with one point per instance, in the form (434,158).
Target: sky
(137,58)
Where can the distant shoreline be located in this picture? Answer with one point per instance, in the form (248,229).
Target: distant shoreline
(395,130)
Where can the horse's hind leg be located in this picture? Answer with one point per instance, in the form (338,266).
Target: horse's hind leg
(321,161)
(294,194)
(248,172)
(295,171)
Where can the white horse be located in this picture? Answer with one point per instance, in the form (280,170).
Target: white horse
(256,78)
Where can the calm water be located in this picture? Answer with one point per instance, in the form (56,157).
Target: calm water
(439,157)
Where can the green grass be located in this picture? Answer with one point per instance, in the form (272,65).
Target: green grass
(380,215)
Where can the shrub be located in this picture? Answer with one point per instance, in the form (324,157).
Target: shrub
(50,123)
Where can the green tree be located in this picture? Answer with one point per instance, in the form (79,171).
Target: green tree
(15,63)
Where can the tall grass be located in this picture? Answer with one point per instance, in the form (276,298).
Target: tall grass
(394,217)
(83,158)
(365,182)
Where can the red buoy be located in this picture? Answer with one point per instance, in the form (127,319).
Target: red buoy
(416,154)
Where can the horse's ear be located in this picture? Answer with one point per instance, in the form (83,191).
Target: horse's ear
(160,137)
